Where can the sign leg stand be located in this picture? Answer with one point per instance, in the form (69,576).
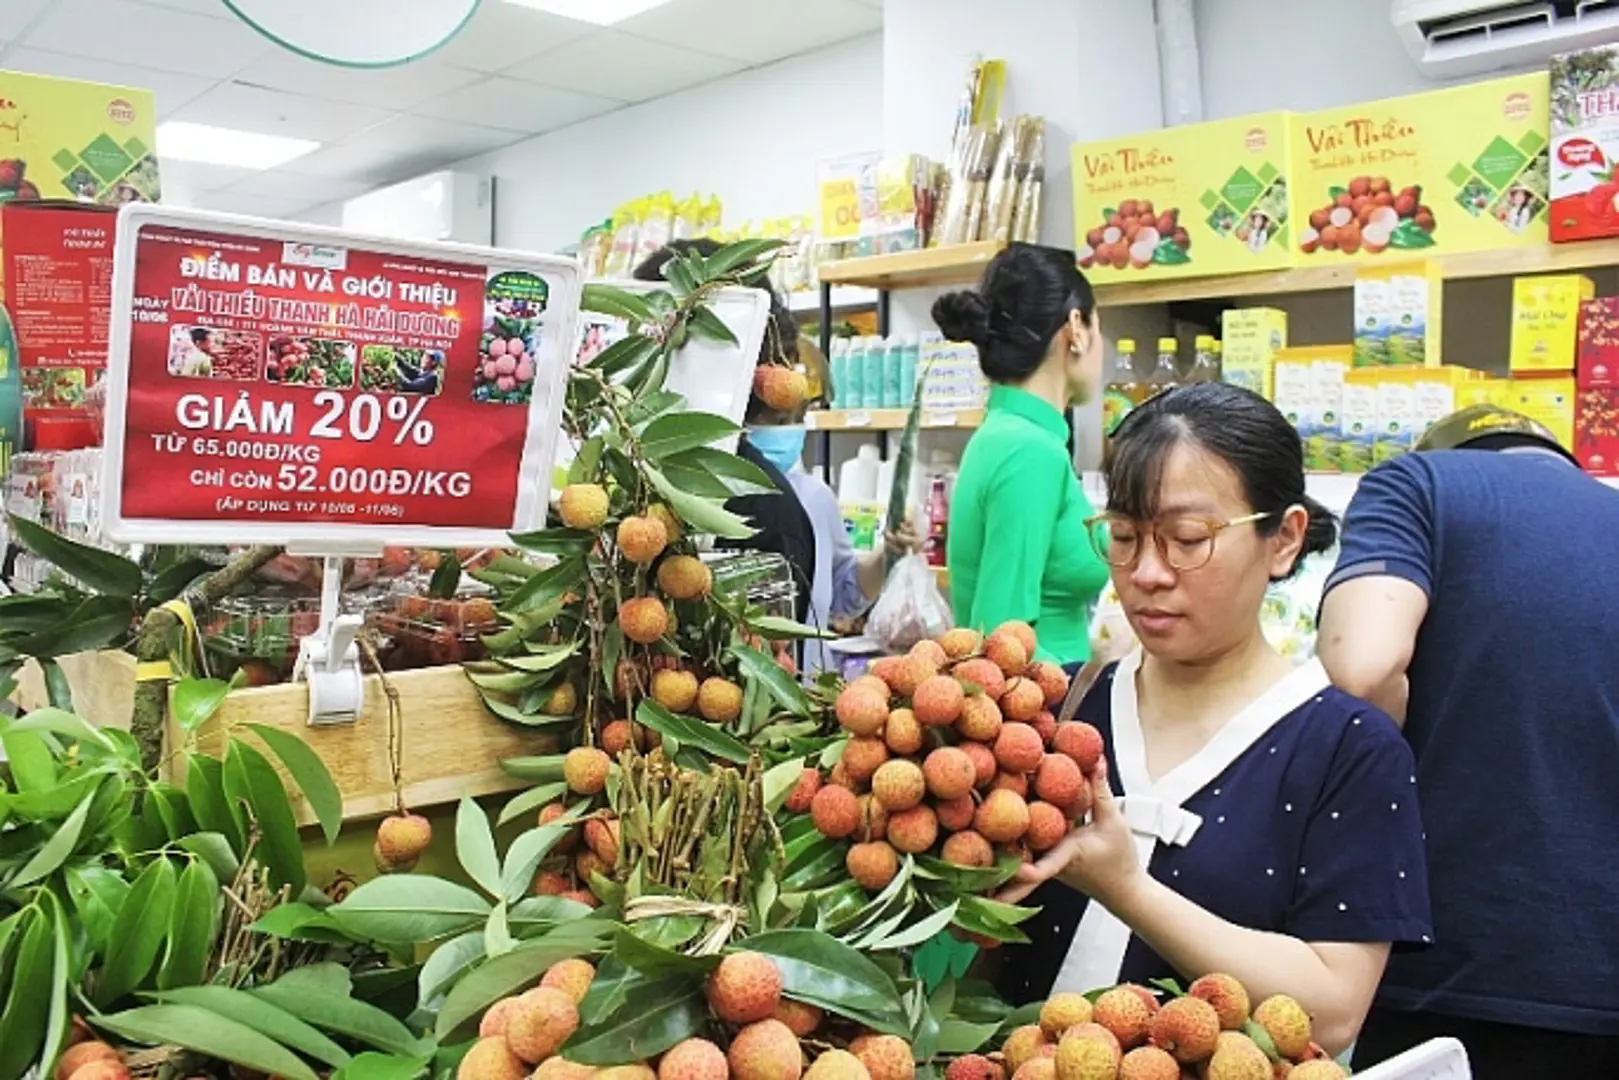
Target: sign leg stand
(330,658)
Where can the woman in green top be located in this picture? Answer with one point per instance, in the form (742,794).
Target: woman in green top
(1018,548)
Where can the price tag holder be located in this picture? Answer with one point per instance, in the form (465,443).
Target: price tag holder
(939,420)
(857,419)
(274,382)
(840,208)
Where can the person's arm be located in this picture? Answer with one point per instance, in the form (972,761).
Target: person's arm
(1020,514)
(1377,597)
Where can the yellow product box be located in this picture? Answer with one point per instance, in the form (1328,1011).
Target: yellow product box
(85,141)
(1546,321)
(1357,422)
(1185,201)
(1250,339)
(1292,382)
(1438,392)
(1325,367)
(1548,400)
(1460,169)
(1485,391)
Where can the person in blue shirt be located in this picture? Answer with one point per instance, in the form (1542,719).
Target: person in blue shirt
(1249,819)
(1475,601)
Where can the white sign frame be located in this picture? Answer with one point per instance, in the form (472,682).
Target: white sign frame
(560,339)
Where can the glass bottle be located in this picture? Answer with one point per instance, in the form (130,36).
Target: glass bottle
(1164,372)
(1123,390)
(938,523)
(1205,361)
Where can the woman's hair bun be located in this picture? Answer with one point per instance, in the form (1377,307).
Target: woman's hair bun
(1321,532)
(963,315)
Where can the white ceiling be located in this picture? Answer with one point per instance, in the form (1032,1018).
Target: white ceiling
(511,74)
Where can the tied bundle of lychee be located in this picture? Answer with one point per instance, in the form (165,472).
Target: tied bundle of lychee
(756,1029)
(1127,1034)
(568,871)
(953,748)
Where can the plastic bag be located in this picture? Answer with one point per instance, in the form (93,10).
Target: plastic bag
(910,609)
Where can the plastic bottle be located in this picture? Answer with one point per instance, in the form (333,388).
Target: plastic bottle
(839,363)
(876,357)
(938,523)
(853,394)
(857,479)
(1205,361)
(909,362)
(1164,373)
(1123,391)
(893,357)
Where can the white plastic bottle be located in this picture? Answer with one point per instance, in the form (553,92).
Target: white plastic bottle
(857,479)
(852,395)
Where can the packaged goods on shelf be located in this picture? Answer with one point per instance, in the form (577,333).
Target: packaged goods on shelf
(1460,169)
(952,380)
(1585,144)
(872,204)
(874,372)
(60,490)
(1484,391)
(1197,199)
(993,175)
(424,631)
(1251,338)
(1550,400)
(82,142)
(1598,363)
(1546,321)
(1596,429)
(1398,315)
(641,226)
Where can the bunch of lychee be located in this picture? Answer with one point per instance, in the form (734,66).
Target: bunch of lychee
(522,1035)
(953,749)
(1131,235)
(571,865)
(1365,215)
(1126,1033)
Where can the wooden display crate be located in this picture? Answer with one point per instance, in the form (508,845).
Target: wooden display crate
(451,747)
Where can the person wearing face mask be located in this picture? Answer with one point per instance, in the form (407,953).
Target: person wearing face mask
(1017,543)
(1248,818)
(843,583)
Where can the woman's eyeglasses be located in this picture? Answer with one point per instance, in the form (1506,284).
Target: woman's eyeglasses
(1185,541)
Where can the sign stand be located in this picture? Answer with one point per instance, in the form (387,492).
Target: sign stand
(329,659)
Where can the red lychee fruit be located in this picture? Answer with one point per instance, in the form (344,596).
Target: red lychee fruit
(492,1024)
(401,839)
(873,819)
(913,831)
(932,652)
(83,1053)
(767,1050)
(618,735)
(1228,996)
(938,701)
(1023,1044)
(585,769)
(491,1059)
(1046,725)
(802,1019)
(746,987)
(1023,700)
(860,710)
(550,813)
(1018,748)
(949,772)
(573,977)
(835,811)
(1150,1063)
(886,1057)
(1016,783)
(1059,782)
(809,782)
(642,539)
(872,864)
(985,766)
(903,732)
(783,389)
(980,719)
(601,835)
(956,814)
(550,883)
(1124,1014)
(1006,651)
(693,1059)
(584,506)
(1063,1011)
(984,674)
(910,673)
(644,619)
(684,577)
(719,701)
(961,643)
(541,1021)
(899,784)
(1081,742)
(883,668)
(863,757)
(1003,817)
(1051,679)
(974,1067)
(1023,632)
(1188,1028)
(1047,827)
(967,848)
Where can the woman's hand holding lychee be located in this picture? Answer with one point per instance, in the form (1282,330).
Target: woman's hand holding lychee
(1098,857)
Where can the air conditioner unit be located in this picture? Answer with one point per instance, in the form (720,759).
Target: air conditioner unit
(1454,38)
(439,206)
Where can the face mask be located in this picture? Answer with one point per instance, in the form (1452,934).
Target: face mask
(781,446)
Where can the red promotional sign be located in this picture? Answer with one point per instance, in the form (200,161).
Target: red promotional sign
(329,388)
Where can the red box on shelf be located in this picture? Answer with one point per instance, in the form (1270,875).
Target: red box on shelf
(1598,363)
(1596,429)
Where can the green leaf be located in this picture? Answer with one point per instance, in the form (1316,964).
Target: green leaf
(448,963)
(690,732)
(1261,1039)
(193,701)
(216,850)
(261,1016)
(497,934)
(1169,253)
(191,927)
(976,919)
(1408,235)
(33,766)
(97,894)
(542,914)
(740,255)
(339,1013)
(961,1037)
(57,1023)
(446,577)
(374,1066)
(706,324)
(96,623)
(703,515)
(61,722)
(205,791)
(309,773)
(786,690)
(547,585)
(823,971)
(54,852)
(279,847)
(113,575)
(519,968)
(559,542)
(656,961)
(174,580)
(779,781)
(677,432)
(655,1015)
(619,357)
(408,909)
(531,800)
(715,474)
(779,629)
(503,681)
(916,935)
(536,770)
(967,879)
(619,303)
(524,856)
(207,1033)
(22,1024)
(475,846)
(138,932)
(301,922)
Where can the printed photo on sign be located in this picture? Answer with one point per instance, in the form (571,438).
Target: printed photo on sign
(598,333)
(390,369)
(202,352)
(53,388)
(514,303)
(309,361)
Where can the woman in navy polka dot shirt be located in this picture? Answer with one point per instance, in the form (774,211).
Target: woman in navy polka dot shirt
(1254,820)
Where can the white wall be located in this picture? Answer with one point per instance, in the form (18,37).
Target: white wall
(752,138)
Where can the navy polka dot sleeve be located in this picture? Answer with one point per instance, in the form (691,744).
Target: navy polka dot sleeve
(1361,873)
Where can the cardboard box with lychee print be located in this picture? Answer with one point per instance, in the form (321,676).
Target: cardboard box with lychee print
(1186,201)
(1455,170)
(1585,144)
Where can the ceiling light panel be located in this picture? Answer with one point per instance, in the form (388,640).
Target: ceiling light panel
(184,141)
(600,12)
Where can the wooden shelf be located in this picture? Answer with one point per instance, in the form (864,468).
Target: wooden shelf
(1553,258)
(959,264)
(844,298)
(891,419)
